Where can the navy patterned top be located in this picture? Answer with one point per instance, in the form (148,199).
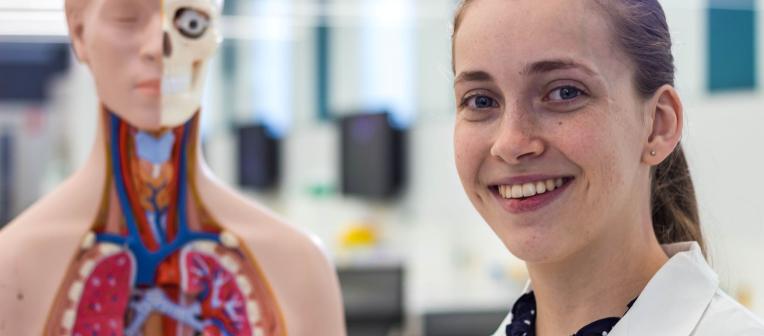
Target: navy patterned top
(524,320)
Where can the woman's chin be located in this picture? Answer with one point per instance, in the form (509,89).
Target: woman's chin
(536,248)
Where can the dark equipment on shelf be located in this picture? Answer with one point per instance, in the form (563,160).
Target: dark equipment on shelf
(259,155)
(26,69)
(373,299)
(372,156)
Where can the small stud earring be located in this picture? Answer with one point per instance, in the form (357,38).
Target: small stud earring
(653,153)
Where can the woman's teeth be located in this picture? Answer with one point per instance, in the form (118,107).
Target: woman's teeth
(529,189)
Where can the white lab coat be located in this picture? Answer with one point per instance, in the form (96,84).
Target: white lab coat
(682,299)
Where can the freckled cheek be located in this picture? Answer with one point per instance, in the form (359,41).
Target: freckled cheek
(587,145)
(595,151)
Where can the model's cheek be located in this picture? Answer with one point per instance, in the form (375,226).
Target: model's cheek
(110,60)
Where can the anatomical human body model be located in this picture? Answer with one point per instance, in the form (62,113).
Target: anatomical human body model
(143,240)
(154,259)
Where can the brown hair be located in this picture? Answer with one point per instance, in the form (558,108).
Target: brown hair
(641,31)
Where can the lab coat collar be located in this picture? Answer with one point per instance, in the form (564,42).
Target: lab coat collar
(674,300)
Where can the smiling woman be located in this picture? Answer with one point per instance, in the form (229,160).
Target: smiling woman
(567,143)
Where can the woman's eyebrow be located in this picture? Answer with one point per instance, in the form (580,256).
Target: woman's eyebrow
(473,76)
(556,64)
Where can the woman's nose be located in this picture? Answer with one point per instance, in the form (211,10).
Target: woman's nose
(516,139)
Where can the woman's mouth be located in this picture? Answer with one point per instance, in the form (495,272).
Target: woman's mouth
(530,196)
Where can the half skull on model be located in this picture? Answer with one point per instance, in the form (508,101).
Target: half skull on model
(191,34)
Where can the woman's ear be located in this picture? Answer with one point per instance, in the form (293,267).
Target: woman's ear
(666,113)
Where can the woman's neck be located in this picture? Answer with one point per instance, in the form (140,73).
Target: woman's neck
(595,283)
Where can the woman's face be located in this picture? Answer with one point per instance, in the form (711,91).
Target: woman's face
(544,94)
(121,42)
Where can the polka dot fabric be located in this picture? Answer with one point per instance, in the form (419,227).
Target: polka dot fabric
(524,320)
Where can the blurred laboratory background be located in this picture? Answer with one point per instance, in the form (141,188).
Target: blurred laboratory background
(338,115)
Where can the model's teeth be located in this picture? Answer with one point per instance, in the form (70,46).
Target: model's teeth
(176,84)
(529,189)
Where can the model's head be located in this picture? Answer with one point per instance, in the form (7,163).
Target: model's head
(573,102)
(148,57)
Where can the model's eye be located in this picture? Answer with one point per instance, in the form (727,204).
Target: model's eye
(479,102)
(564,93)
(122,11)
(191,23)
(126,20)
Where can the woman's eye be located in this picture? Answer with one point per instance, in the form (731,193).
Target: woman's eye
(480,102)
(191,23)
(564,93)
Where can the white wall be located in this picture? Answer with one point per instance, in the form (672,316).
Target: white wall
(722,139)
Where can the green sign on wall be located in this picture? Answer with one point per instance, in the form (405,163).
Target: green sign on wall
(731,45)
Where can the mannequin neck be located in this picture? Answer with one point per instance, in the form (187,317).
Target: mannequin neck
(151,173)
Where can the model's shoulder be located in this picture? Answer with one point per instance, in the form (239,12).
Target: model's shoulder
(35,249)
(71,205)
(266,230)
(248,218)
(726,316)
(39,228)
(267,234)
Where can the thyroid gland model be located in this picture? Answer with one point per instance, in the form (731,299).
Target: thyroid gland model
(152,259)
